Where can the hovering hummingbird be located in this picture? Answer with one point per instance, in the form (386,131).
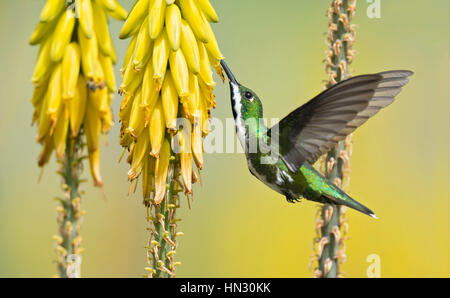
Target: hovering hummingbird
(308,132)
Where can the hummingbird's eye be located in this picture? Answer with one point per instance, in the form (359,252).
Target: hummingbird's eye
(248,95)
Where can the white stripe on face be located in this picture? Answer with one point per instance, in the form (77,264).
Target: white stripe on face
(240,126)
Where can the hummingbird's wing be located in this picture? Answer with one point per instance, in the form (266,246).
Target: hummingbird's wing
(315,127)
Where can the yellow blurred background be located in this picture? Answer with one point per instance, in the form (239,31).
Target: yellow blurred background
(237,227)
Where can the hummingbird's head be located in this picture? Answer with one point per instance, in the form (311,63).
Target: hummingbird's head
(244,102)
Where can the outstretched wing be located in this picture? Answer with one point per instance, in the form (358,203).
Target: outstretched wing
(315,127)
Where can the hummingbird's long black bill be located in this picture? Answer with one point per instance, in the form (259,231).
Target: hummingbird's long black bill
(228,72)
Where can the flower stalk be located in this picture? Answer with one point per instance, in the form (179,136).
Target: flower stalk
(162,242)
(69,213)
(331,223)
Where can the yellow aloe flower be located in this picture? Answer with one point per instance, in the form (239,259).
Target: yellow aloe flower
(74,84)
(74,78)
(167,75)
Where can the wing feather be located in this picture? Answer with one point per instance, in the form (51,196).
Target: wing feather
(317,126)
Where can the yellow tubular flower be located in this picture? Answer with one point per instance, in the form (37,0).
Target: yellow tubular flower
(119,13)
(38,94)
(54,95)
(190,48)
(110,5)
(107,66)
(143,42)
(134,19)
(157,13)
(71,67)
(62,35)
(194,17)
(157,129)
(46,152)
(105,43)
(167,74)
(89,54)
(197,145)
(74,75)
(74,82)
(41,32)
(148,171)
(136,122)
(77,106)
(169,99)
(161,52)
(44,64)
(60,134)
(149,92)
(140,152)
(161,167)
(51,10)
(180,73)
(205,68)
(43,121)
(86,17)
(208,10)
(194,111)
(92,130)
(212,46)
(173,26)
(186,159)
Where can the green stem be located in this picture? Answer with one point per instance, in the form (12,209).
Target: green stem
(163,231)
(69,213)
(340,55)
(328,260)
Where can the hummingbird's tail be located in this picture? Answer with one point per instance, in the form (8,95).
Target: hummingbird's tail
(339,197)
(319,189)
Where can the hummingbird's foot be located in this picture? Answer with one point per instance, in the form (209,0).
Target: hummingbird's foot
(292,199)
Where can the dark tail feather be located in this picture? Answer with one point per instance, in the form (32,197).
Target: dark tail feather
(349,202)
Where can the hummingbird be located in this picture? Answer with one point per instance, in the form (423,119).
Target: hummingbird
(284,155)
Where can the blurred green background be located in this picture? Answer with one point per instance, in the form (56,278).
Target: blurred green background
(238,227)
